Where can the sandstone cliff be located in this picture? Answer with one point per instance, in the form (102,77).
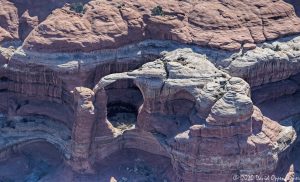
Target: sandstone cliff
(109,24)
(204,86)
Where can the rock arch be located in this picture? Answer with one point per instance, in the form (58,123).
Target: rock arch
(124,99)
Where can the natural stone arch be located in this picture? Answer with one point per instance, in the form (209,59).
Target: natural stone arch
(124,100)
(90,113)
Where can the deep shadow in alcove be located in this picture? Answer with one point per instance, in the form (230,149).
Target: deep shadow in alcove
(31,162)
(124,101)
(291,155)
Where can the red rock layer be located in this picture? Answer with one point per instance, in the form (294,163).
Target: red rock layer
(110,24)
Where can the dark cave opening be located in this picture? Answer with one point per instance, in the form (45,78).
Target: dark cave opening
(123,102)
(4,79)
(122,115)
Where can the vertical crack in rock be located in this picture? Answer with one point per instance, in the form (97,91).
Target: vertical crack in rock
(185,119)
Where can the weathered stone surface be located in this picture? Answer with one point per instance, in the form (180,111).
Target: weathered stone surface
(5,54)
(240,133)
(273,90)
(188,105)
(250,148)
(110,24)
(82,129)
(185,103)
(27,24)
(296,5)
(269,62)
(9,22)
(21,130)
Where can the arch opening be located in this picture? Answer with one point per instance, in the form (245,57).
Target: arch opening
(124,99)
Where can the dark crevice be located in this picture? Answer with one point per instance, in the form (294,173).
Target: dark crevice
(4,79)
(276,17)
(116,107)
(124,99)
(22,104)
(40,158)
(166,68)
(3,90)
(122,115)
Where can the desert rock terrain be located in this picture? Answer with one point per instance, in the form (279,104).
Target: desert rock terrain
(177,91)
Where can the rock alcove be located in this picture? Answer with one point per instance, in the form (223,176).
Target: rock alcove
(123,102)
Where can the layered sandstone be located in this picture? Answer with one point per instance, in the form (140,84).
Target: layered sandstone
(109,24)
(8,21)
(269,62)
(117,78)
(200,115)
(296,5)
(185,101)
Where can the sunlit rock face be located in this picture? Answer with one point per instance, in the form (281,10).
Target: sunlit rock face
(149,91)
(296,5)
(227,25)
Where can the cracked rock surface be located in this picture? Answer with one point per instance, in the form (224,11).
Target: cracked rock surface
(109,24)
(141,90)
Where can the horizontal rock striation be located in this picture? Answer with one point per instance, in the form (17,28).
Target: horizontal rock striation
(188,108)
(296,5)
(215,119)
(274,90)
(111,24)
(269,62)
(8,21)
(17,131)
(120,76)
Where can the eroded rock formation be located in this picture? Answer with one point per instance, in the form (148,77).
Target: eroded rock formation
(110,24)
(119,79)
